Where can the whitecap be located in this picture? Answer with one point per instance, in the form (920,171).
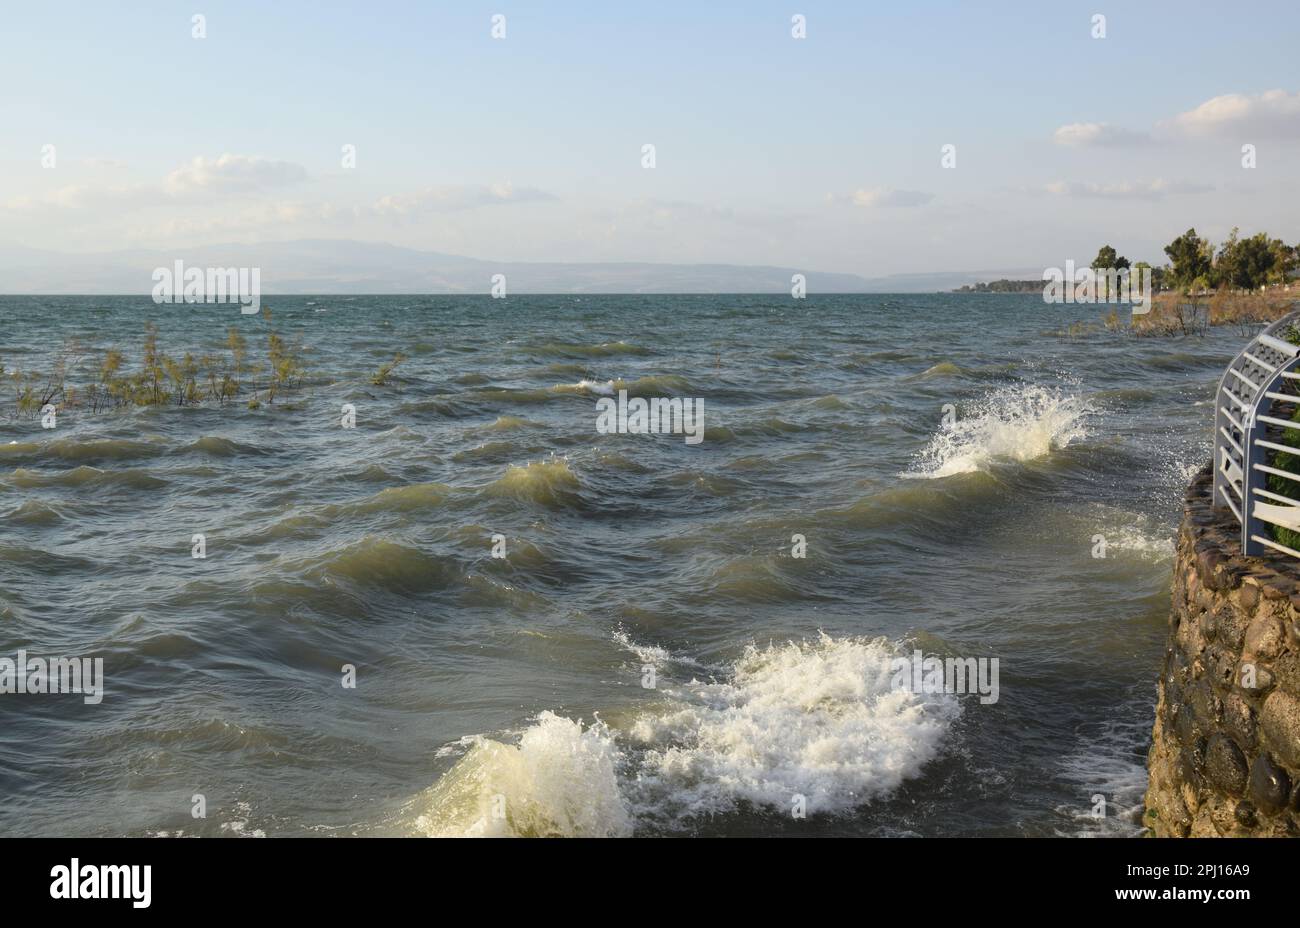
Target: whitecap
(1017,423)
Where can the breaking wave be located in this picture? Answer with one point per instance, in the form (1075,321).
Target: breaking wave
(560,780)
(548,482)
(1018,423)
(814,718)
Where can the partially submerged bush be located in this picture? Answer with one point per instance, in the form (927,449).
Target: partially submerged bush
(159,380)
(380,377)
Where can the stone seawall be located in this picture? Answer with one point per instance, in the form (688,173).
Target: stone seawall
(1225,752)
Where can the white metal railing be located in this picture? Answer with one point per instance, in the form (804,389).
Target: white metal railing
(1247,433)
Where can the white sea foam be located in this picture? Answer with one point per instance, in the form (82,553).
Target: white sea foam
(1108,764)
(647,653)
(1016,423)
(818,719)
(585,386)
(1146,544)
(559,781)
(1126,533)
(238,827)
(658,656)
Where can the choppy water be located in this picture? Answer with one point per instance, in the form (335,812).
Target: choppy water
(522,677)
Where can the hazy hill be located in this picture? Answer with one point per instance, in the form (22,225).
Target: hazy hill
(341,266)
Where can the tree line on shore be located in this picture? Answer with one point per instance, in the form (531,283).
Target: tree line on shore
(1194,266)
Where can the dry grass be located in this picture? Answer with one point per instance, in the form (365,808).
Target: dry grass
(1184,314)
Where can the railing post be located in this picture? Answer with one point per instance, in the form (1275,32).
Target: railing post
(1250,478)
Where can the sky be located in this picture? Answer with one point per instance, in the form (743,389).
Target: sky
(824,152)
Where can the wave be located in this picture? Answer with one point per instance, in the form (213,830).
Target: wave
(380,564)
(656,655)
(934,506)
(1109,762)
(509,395)
(85,475)
(754,578)
(770,426)
(816,718)
(548,482)
(441,407)
(47,562)
(508,423)
(590,387)
(621,462)
(560,780)
(830,402)
(942,369)
(1148,544)
(1016,423)
(102,449)
(567,369)
(83,450)
(35,513)
(576,349)
(492,451)
(218,446)
(410,498)
(656,385)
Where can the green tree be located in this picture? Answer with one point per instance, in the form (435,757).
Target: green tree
(1244,263)
(1189,260)
(1286,260)
(1157,275)
(1107,259)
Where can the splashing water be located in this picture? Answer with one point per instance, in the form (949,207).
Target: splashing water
(1016,423)
(559,781)
(817,718)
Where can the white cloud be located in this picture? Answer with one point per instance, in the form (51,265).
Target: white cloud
(233,174)
(883,197)
(256,220)
(1156,189)
(1097,135)
(459,197)
(1272,114)
(88,196)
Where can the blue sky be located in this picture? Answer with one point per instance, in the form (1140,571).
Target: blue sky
(821,153)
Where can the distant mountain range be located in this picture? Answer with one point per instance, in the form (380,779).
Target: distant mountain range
(341,266)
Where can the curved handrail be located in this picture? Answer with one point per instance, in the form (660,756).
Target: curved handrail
(1261,506)
(1236,399)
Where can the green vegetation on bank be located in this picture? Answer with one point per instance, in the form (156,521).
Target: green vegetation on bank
(1239,264)
(1194,266)
(1003,286)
